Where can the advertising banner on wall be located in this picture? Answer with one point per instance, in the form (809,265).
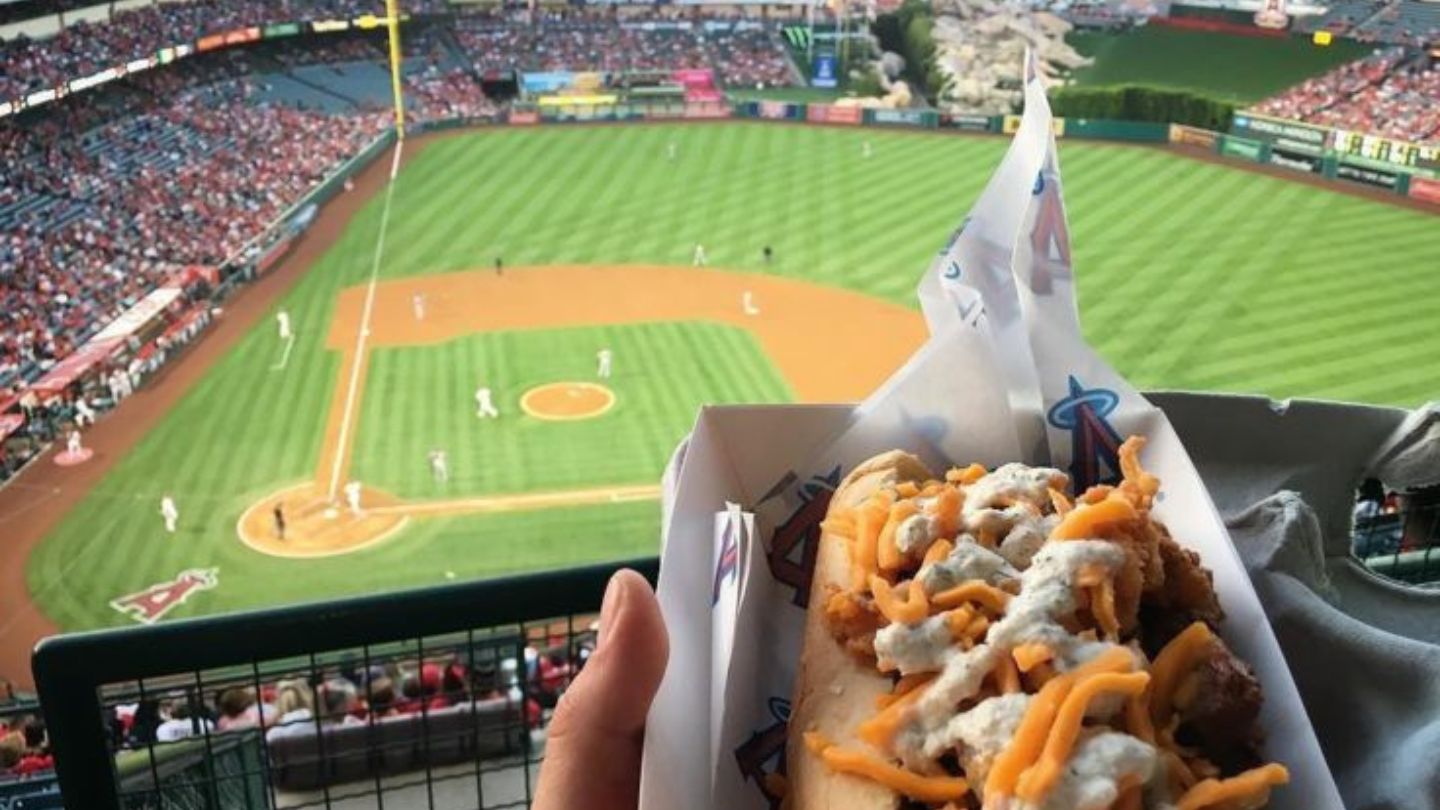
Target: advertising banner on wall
(968,122)
(1367,175)
(825,71)
(901,118)
(1235,146)
(1291,136)
(524,117)
(281,30)
(832,114)
(1192,136)
(1426,190)
(547,82)
(773,109)
(1297,161)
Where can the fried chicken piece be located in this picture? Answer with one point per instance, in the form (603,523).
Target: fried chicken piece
(853,621)
(1219,705)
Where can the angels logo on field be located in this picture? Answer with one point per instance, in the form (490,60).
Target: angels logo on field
(1094,444)
(150,605)
(799,536)
(762,757)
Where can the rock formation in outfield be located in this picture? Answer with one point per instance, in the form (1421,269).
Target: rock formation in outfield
(980,46)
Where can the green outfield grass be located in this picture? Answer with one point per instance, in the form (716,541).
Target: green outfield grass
(1226,66)
(422,398)
(1191,275)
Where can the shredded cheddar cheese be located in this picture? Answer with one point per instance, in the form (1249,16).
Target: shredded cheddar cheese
(1175,661)
(1090,520)
(869,519)
(975,591)
(888,553)
(969,475)
(1247,786)
(858,763)
(1036,782)
(1007,677)
(939,550)
(907,489)
(910,610)
(1029,656)
(880,729)
(946,511)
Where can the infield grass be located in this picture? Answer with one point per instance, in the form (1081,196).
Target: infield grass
(1192,275)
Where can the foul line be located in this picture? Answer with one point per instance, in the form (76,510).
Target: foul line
(285,358)
(357,360)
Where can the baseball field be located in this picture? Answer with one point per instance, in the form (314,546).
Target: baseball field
(1192,275)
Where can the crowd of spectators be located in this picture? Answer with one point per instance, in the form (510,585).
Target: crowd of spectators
(84,48)
(355,695)
(24,746)
(437,94)
(1386,94)
(742,58)
(188,182)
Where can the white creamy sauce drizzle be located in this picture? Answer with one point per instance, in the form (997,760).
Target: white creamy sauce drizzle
(1010,503)
(1091,780)
(968,561)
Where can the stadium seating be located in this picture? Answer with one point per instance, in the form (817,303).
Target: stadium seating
(1387,93)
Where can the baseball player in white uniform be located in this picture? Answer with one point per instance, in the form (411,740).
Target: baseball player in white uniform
(352,497)
(747,303)
(603,359)
(699,259)
(72,443)
(439,466)
(670,150)
(866,150)
(484,404)
(84,414)
(417,303)
(282,321)
(169,512)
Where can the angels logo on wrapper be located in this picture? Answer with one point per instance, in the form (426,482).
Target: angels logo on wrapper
(1005,376)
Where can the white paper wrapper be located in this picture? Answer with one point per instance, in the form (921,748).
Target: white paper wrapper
(1006,375)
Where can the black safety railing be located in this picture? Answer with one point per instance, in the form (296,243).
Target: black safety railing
(433,698)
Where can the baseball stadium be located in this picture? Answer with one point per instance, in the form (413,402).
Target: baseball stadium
(330,329)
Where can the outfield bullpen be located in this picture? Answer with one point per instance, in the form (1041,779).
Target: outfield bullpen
(1192,275)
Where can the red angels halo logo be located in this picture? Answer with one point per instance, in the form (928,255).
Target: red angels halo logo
(150,605)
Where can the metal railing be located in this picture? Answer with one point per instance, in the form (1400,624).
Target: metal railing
(431,698)
(1402,544)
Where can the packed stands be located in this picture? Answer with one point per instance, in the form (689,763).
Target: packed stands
(1388,93)
(1408,22)
(741,56)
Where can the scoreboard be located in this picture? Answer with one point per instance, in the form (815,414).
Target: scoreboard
(1385,150)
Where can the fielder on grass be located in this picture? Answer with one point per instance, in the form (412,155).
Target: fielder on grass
(602,360)
(439,466)
(484,405)
(282,320)
(699,259)
(169,512)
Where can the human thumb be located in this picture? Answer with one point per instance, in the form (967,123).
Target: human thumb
(592,755)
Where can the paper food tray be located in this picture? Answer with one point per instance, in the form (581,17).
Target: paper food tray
(1005,376)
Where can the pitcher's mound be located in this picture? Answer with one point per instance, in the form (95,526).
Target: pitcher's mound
(316,527)
(567,401)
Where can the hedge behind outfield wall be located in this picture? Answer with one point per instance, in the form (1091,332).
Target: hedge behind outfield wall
(1140,103)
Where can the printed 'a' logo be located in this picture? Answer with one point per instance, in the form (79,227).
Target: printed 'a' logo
(796,543)
(1094,444)
(762,757)
(150,605)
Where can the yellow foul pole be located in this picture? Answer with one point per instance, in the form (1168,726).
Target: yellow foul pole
(392,19)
